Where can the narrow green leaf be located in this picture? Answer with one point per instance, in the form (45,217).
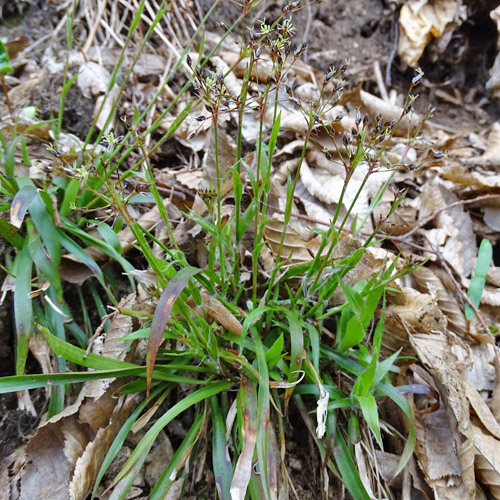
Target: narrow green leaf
(147,441)
(222,467)
(370,412)
(46,227)
(11,234)
(347,468)
(20,204)
(478,281)
(168,477)
(5,66)
(23,311)
(23,382)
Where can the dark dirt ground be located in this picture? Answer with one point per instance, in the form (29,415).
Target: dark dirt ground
(363,32)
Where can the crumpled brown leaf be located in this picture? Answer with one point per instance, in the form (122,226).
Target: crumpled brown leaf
(437,355)
(422,20)
(63,458)
(453,234)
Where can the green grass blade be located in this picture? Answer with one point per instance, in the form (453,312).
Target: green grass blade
(22,382)
(121,436)
(476,286)
(145,444)
(168,477)
(222,467)
(347,468)
(23,311)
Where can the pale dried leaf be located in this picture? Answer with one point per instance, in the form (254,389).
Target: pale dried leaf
(481,372)
(89,462)
(225,151)
(453,235)
(92,79)
(363,468)
(437,355)
(492,218)
(326,183)
(420,21)
(427,281)
(219,312)
(482,411)
(244,465)
(475,180)
(294,249)
(493,147)
(487,459)
(41,351)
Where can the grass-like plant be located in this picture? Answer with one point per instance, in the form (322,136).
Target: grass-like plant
(268,349)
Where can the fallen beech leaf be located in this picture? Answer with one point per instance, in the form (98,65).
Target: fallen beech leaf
(162,315)
(487,460)
(482,411)
(427,281)
(420,20)
(436,353)
(219,312)
(453,235)
(475,181)
(414,312)
(493,147)
(294,248)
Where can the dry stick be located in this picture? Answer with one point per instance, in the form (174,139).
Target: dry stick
(463,294)
(307,29)
(93,30)
(98,331)
(380,81)
(442,209)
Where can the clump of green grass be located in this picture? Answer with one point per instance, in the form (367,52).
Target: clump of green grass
(268,349)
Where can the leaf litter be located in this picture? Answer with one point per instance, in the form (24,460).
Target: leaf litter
(457,195)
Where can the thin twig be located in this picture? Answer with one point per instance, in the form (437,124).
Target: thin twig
(442,209)
(380,81)
(98,331)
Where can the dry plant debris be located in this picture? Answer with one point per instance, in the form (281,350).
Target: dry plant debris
(451,375)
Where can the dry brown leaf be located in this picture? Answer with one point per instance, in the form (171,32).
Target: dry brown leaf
(492,218)
(493,147)
(244,465)
(325,181)
(373,106)
(41,351)
(226,154)
(487,460)
(93,81)
(421,20)
(474,180)
(89,462)
(482,411)
(64,457)
(453,235)
(413,312)
(427,281)
(440,359)
(294,248)
(220,313)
